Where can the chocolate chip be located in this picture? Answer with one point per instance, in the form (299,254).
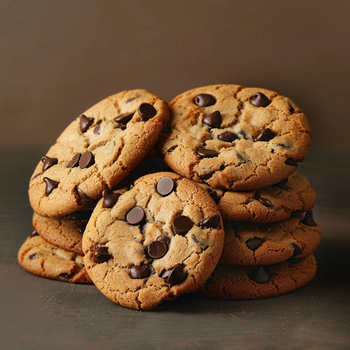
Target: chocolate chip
(260,275)
(101,255)
(74,161)
(139,272)
(291,162)
(206,176)
(260,100)
(85,122)
(167,129)
(213,119)
(282,185)
(131,99)
(213,194)
(157,249)
(147,111)
(171,148)
(195,238)
(211,222)
(254,243)
(97,130)
(294,260)
(176,275)
(265,135)
(165,186)
(182,224)
(50,185)
(65,275)
(34,233)
(164,239)
(32,256)
(297,249)
(87,201)
(309,219)
(48,162)
(86,160)
(109,199)
(135,216)
(81,227)
(263,201)
(227,136)
(291,109)
(282,145)
(79,215)
(204,100)
(124,118)
(206,153)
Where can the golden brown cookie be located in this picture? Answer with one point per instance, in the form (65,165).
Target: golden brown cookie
(235,138)
(253,282)
(160,239)
(96,151)
(43,259)
(249,243)
(268,204)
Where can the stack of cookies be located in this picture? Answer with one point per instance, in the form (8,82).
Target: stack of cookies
(230,218)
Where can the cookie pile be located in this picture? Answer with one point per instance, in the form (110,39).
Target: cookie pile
(221,211)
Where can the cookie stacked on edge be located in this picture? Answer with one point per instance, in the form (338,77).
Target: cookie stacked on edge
(243,145)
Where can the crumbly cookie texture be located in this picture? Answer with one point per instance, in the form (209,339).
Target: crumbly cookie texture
(262,244)
(96,151)
(233,137)
(160,239)
(44,259)
(268,204)
(253,282)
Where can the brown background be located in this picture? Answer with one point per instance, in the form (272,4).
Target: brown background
(58,58)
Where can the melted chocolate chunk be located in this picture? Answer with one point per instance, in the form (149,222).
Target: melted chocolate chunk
(213,194)
(265,135)
(260,275)
(309,219)
(109,199)
(85,122)
(86,160)
(182,224)
(48,162)
(97,130)
(259,100)
(211,222)
(165,186)
(213,119)
(157,249)
(175,276)
(135,216)
(124,118)
(34,233)
(227,136)
(101,255)
(147,111)
(297,249)
(206,153)
(254,243)
(291,162)
(282,185)
(139,272)
(204,100)
(74,161)
(263,201)
(50,185)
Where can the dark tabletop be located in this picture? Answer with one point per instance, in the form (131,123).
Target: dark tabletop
(38,313)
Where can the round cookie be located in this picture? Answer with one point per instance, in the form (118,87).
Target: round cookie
(235,138)
(254,282)
(96,151)
(43,259)
(160,239)
(264,244)
(268,204)
(66,232)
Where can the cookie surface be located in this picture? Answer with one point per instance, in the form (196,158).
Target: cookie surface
(96,151)
(235,138)
(43,259)
(263,244)
(160,239)
(268,204)
(248,282)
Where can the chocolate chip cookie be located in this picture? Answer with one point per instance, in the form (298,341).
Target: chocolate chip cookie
(249,243)
(160,239)
(268,204)
(235,138)
(96,151)
(253,282)
(44,259)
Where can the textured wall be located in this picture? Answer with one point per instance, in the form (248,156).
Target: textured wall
(58,57)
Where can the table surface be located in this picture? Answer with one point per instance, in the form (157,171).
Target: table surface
(38,313)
